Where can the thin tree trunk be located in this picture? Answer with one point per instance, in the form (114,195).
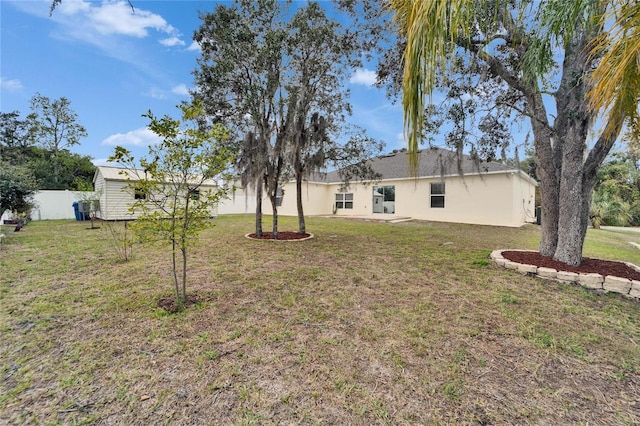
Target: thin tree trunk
(547,171)
(259,208)
(301,225)
(56,168)
(274,206)
(174,263)
(184,274)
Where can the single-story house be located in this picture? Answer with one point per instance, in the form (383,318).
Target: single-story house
(485,193)
(116,198)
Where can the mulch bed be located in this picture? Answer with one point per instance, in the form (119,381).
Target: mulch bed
(588,265)
(282,235)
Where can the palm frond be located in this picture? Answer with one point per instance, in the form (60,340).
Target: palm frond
(616,80)
(431,28)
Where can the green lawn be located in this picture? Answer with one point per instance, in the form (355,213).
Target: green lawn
(367,323)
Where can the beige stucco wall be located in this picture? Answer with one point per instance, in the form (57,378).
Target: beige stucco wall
(489,199)
(503,199)
(314,200)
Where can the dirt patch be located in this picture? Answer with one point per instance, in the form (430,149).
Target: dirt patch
(282,235)
(588,265)
(169,304)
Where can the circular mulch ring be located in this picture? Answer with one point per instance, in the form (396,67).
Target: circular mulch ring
(588,265)
(282,236)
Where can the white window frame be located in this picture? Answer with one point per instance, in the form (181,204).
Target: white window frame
(344,200)
(438,194)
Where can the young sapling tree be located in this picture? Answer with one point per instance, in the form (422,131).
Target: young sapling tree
(175,190)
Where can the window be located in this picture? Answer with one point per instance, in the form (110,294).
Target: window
(139,194)
(437,195)
(344,201)
(194,194)
(279,197)
(384,199)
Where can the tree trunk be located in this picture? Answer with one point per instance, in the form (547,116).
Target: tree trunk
(547,169)
(571,202)
(274,206)
(571,128)
(301,225)
(184,274)
(259,208)
(175,274)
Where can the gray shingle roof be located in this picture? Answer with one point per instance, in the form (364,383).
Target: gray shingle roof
(434,162)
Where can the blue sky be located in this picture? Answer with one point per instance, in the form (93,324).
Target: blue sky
(114,65)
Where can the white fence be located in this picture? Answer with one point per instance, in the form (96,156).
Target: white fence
(52,204)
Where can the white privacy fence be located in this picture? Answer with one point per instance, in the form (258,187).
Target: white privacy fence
(52,204)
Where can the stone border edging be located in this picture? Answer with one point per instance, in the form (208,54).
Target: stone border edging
(282,241)
(629,288)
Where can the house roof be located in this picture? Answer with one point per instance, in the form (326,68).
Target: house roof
(432,162)
(121,174)
(117,173)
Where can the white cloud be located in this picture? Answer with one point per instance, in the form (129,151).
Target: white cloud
(363,76)
(112,27)
(139,137)
(100,162)
(172,41)
(400,142)
(98,24)
(194,46)
(181,89)
(155,93)
(71,7)
(118,18)
(10,84)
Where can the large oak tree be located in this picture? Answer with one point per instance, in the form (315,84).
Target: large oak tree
(519,56)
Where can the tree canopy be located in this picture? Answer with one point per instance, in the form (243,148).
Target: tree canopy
(278,78)
(17,188)
(49,168)
(54,126)
(500,61)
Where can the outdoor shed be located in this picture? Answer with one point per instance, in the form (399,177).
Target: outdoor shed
(116,198)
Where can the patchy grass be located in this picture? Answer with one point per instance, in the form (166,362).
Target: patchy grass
(367,323)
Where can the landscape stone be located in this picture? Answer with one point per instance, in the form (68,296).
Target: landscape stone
(567,277)
(496,254)
(511,265)
(635,289)
(593,281)
(632,266)
(617,284)
(527,269)
(500,261)
(547,273)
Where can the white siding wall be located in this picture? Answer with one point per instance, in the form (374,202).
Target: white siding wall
(99,186)
(116,199)
(119,199)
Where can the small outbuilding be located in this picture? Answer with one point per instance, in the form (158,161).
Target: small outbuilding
(116,198)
